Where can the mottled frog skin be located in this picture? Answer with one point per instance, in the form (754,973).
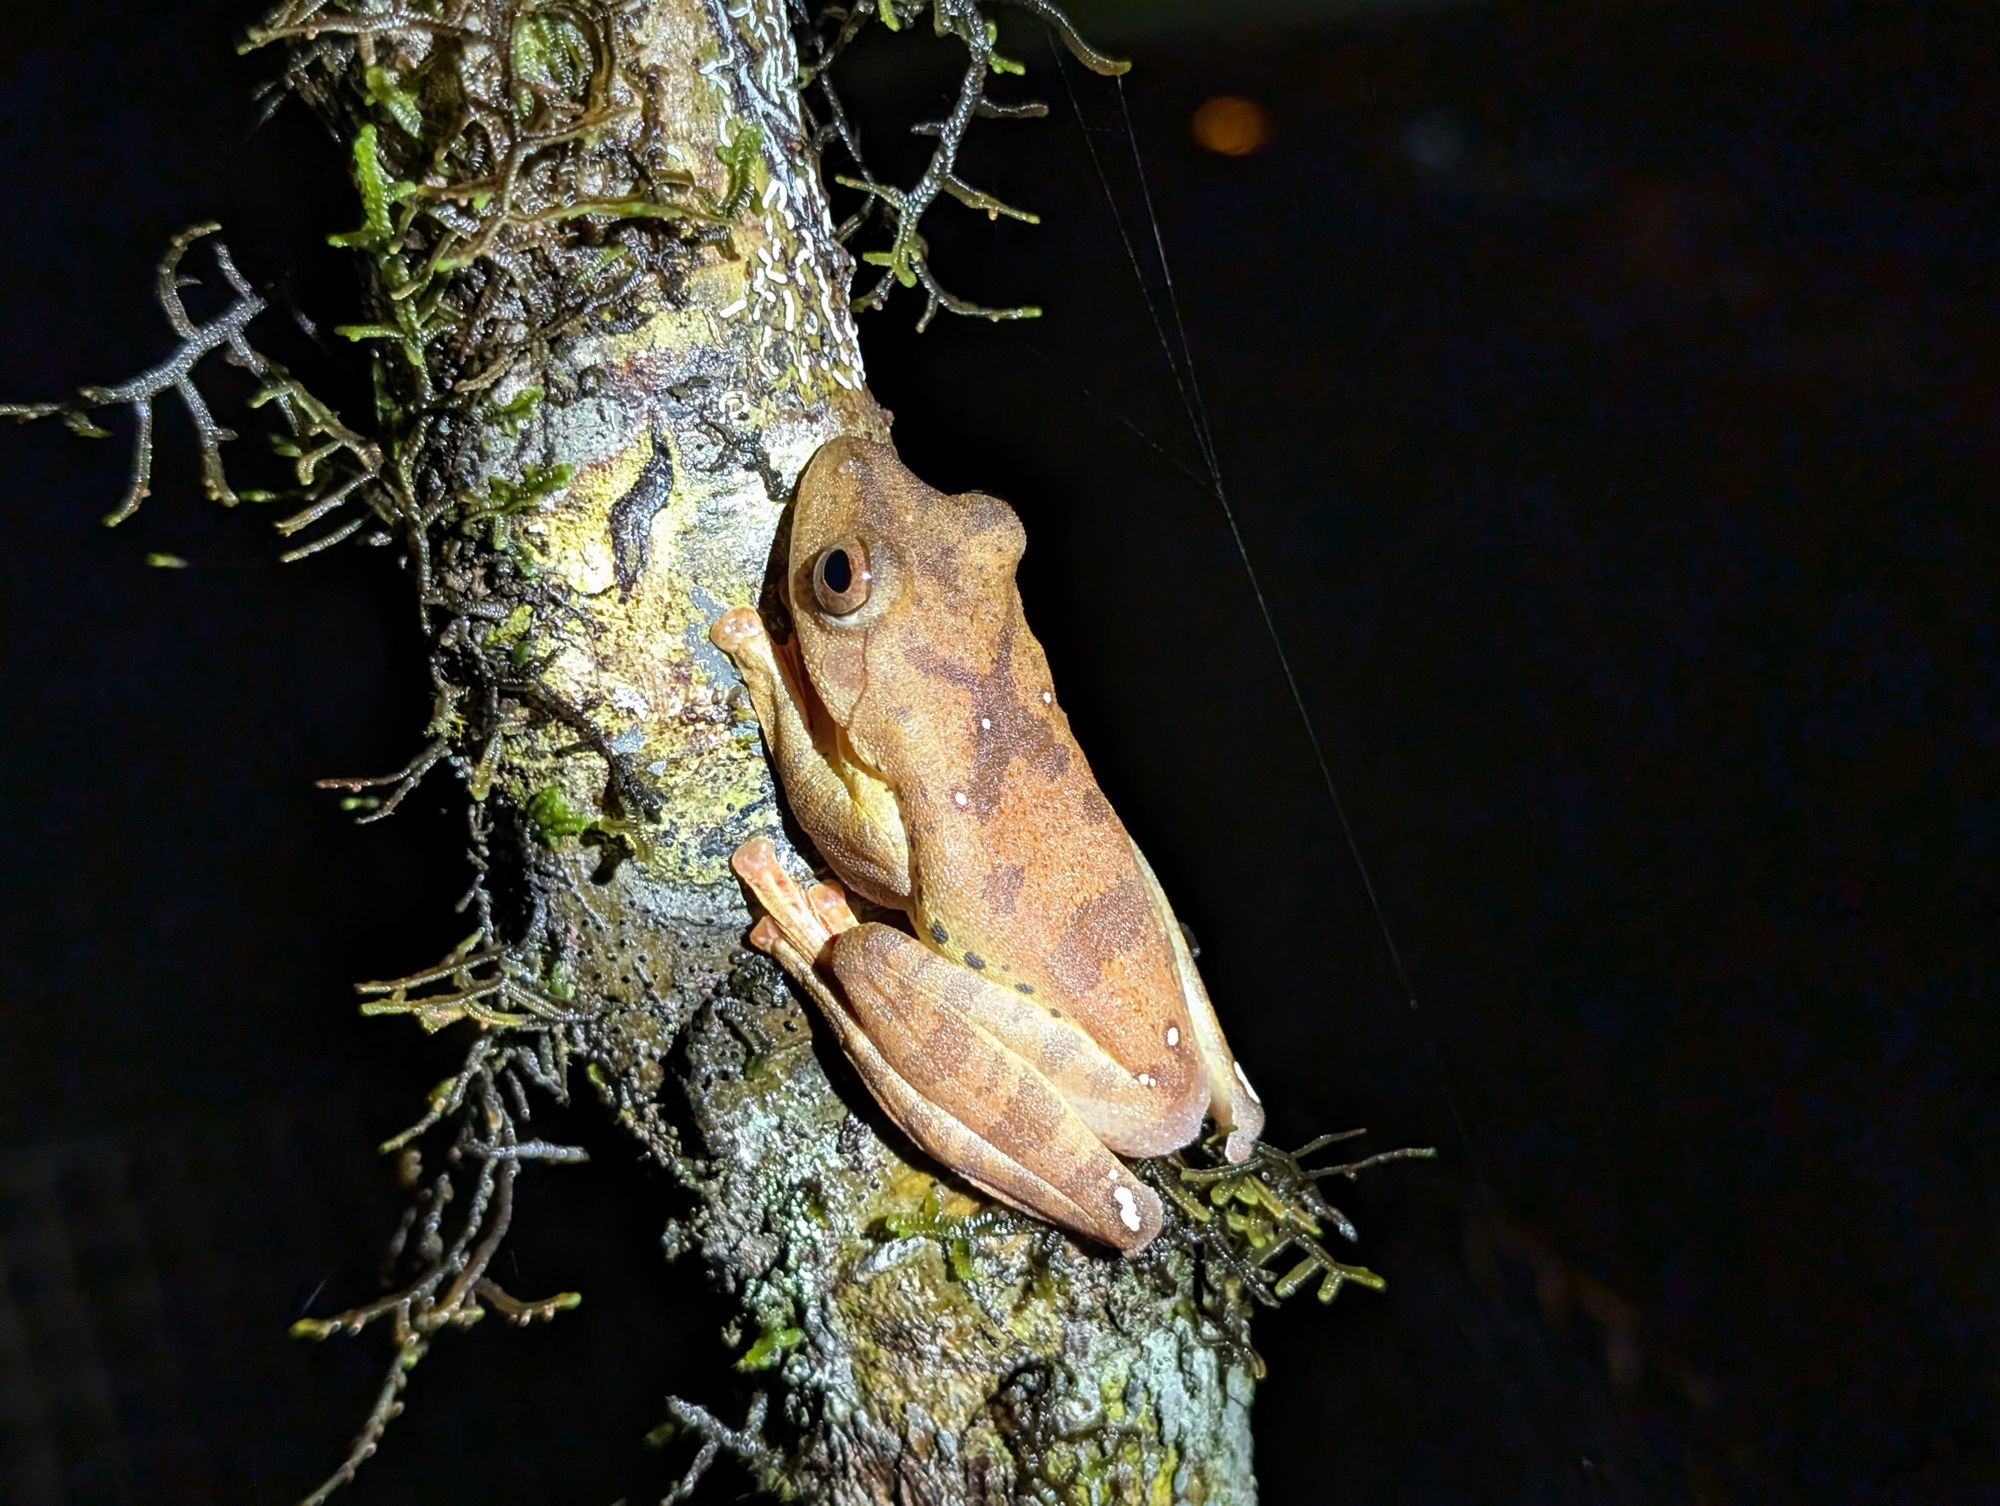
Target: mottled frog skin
(1041,1016)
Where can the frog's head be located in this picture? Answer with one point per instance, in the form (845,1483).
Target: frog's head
(888,573)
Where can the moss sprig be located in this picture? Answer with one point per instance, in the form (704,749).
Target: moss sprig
(954,1232)
(458,1219)
(745,1444)
(493,986)
(333,465)
(906,261)
(1241,1219)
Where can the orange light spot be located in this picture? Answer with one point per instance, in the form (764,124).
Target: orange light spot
(1231,126)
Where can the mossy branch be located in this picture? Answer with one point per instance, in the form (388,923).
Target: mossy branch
(1243,1218)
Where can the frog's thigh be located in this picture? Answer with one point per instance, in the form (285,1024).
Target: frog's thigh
(1134,1111)
(973,1103)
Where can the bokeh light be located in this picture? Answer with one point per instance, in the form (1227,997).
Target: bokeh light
(1231,126)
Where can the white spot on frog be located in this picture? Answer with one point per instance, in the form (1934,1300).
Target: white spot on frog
(1173,1035)
(1048,698)
(1145,1079)
(986,724)
(958,797)
(1128,1208)
(1244,1078)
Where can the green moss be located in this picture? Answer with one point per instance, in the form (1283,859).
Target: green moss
(508,497)
(771,1347)
(509,416)
(536,482)
(375,232)
(954,1231)
(740,155)
(551,52)
(553,817)
(383,91)
(995,61)
(513,627)
(1119,1457)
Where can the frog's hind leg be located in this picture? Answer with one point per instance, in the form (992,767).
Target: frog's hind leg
(904,1018)
(957,1087)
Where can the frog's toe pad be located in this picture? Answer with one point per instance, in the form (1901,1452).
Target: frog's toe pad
(735,629)
(829,904)
(756,863)
(1139,1216)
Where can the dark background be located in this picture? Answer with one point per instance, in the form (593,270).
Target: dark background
(1606,396)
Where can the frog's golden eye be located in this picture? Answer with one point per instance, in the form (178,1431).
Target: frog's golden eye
(841,578)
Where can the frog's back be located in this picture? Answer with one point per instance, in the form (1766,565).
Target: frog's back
(1019,866)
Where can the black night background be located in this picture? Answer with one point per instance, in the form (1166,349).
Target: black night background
(1606,394)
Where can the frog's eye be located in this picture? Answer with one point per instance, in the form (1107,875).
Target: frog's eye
(841,578)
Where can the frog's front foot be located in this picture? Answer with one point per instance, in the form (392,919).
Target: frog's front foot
(804,920)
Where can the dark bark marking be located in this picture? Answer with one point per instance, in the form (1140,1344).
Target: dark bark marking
(632,516)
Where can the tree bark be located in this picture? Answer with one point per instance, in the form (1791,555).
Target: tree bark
(612,324)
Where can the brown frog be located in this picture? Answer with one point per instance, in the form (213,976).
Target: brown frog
(1042,1016)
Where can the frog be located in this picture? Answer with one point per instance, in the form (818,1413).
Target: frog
(1027,1010)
